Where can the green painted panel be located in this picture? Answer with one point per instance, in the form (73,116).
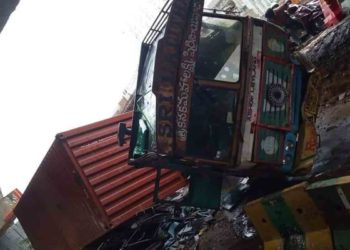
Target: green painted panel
(281,216)
(341,239)
(204,191)
(276,42)
(276,84)
(269,145)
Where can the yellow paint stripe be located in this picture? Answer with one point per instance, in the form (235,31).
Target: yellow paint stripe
(267,231)
(274,245)
(309,217)
(344,180)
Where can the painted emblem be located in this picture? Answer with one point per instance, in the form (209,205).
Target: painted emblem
(269,145)
(275,45)
(276,95)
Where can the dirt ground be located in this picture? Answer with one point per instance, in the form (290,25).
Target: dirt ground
(333,128)
(230,231)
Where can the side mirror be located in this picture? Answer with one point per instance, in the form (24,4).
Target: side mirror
(122,131)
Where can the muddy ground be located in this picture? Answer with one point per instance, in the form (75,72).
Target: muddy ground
(231,231)
(333,127)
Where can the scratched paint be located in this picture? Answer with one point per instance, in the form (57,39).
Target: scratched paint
(165,78)
(186,75)
(247,148)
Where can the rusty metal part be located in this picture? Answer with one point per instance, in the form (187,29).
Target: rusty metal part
(84,188)
(165,75)
(186,75)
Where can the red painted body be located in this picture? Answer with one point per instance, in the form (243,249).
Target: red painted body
(84,188)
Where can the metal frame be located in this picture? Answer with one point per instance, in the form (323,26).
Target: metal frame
(158,24)
(241,86)
(238,86)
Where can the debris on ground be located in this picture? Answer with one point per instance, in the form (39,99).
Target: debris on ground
(170,226)
(231,230)
(166,226)
(324,52)
(7,205)
(173,225)
(302,21)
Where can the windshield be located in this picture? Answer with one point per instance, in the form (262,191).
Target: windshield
(146,105)
(213,107)
(212,123)
(219,49)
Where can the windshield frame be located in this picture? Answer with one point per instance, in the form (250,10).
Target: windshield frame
(239,87)
(222,83)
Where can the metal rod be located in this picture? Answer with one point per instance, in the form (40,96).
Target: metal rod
(157,184)
(158,23)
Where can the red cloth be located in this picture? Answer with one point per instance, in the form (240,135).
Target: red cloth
(332,11)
